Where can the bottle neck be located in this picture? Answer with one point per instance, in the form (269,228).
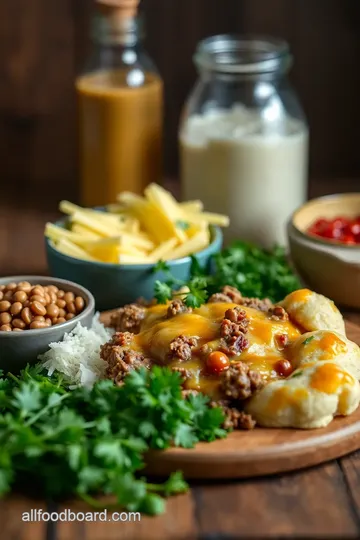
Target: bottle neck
(234,58)
(112,30)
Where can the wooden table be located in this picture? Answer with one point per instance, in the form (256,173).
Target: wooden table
(323,502)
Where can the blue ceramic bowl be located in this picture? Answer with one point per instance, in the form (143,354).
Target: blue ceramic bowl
(114,285)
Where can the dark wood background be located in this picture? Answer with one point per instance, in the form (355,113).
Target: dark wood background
(43,44)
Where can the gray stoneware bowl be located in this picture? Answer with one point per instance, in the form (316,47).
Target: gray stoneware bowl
(17,349)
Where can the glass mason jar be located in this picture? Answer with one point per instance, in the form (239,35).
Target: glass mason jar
(244,137)
(120,107)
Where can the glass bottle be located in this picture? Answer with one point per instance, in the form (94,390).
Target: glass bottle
(244,137)
(120,106)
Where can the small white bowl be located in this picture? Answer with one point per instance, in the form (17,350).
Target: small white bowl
(329,267)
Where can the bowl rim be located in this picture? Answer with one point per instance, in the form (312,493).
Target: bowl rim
(335,244)
(89,298)
(215,231)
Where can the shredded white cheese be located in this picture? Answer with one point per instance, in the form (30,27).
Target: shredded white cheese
(77,357)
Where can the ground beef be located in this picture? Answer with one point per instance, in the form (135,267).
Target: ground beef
(228,295)
(234,418)
(239,382)
(219,298)
(233,293)
(205,349)
(238,319)
(121,360)
(122,338)
(232,331)
(278,313)
(262,305)
(176,307)
(181,346)
(128,318)
(185,373)
(233,345)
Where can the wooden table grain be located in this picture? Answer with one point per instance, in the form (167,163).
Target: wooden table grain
(321,502)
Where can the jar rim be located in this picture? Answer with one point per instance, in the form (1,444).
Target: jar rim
(243,54)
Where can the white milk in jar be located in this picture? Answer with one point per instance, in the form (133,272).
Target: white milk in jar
(244,138)
(236,168)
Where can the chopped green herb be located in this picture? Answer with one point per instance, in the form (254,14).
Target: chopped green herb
(88,441)
(296,374)
(162,292)
(254,271)
(307,340)
(161,266)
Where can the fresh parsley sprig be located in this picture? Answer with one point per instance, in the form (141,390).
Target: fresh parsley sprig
(196,293)
(256,272)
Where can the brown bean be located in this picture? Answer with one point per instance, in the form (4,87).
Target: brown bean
(53,288)
(47,298)
(37,308)
(11,286)
(26,315)
(79,304)
(60,303)
(38,298)
(69,297)
(46,289)
(71,307)
(62,312)
(60,293)
(38,289)
(16,308)
(1,295)
(24,286)
(27,303)
(18,323)
(52,310)
(2,287)
(20,296)
(70,316)
(53,297)
(18,329)
(5,318)
(48,321)
(8,295)
(60,320)
(39,318)
(4,305)
(36,325)
(5,328)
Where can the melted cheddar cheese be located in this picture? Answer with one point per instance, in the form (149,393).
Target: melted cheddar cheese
(329,377)
(264,351)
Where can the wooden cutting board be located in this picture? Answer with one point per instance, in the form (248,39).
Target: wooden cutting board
(262,451)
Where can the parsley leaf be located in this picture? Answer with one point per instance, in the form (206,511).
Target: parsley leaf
(307,340)
(162,292)
(161,266)
(197,294)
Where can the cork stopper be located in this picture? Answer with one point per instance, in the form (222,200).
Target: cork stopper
(119,9)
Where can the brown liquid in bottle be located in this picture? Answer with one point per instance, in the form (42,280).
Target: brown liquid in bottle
(120,134)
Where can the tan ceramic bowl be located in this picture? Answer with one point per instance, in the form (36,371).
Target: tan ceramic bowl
(328,267)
